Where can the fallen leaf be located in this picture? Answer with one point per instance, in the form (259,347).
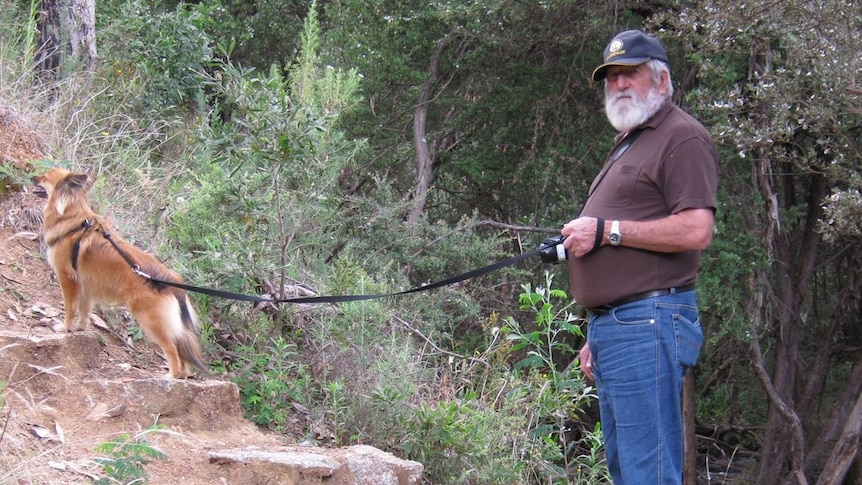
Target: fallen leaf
(98,322)
(59,434)
(102,411)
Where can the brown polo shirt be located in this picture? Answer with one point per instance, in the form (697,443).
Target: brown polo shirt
(671,166)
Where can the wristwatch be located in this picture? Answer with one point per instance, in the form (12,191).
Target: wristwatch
(615,237)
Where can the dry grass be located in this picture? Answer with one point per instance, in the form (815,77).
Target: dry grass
(80,124)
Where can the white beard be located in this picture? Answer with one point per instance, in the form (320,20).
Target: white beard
(631,112)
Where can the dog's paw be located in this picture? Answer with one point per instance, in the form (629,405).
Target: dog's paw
(63,328)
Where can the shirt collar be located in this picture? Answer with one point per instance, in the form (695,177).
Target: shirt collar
(653,122)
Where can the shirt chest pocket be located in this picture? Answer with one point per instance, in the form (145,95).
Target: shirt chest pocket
(621,186)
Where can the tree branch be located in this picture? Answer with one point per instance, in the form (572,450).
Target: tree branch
(797,446)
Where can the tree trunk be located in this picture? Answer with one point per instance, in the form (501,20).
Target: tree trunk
(795,446)
(48,54)
(424,155)
(82,33)
(67,30)
(846,449)
(795,252)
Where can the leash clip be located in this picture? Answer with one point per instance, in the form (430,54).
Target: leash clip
(137,270)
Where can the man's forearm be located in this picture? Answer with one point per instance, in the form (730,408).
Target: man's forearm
(687,230)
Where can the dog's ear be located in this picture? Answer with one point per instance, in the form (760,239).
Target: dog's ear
(78,181)
(73,187)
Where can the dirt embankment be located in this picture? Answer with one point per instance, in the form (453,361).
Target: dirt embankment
(63,395)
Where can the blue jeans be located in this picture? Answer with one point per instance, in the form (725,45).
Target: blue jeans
(640,352)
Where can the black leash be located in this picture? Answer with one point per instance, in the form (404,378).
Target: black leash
(321,299)
(630,139)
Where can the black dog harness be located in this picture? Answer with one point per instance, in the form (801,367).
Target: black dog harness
(76,247)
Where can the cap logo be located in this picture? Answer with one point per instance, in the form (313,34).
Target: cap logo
(615,49)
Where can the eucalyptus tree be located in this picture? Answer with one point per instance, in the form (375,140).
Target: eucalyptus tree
(67,37)
(780,84)
(480,107)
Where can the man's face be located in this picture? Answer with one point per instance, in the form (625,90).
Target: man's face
(631,96)
(622,78)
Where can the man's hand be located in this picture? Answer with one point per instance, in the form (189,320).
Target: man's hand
(586,359)
(580,235)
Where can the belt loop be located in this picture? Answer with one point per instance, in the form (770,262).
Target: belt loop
(673,290)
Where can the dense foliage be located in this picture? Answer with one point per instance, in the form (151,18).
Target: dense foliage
(292,148)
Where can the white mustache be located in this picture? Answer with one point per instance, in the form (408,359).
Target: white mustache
(626,93)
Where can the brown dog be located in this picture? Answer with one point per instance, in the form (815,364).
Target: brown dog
(90,262)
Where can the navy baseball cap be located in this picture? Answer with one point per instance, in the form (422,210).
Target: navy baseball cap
(630,48)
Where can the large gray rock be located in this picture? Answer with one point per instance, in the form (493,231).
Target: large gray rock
(296,465)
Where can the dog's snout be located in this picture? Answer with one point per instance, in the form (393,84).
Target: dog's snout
(38,189)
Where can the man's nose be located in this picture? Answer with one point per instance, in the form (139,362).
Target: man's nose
(618,82)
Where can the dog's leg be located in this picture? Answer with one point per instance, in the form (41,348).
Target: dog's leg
(71,295)
(176,368)
(85,307)
(155,321)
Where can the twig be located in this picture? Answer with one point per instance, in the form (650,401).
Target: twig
(13,280)
(436,347)
(499,225)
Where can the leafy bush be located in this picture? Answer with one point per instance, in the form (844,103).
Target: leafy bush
(153,58)
(270,380)
(481,421)
(557,396)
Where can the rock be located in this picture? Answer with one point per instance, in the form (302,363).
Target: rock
(353,465)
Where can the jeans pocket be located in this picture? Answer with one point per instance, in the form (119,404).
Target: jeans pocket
(641,313)
(689,336)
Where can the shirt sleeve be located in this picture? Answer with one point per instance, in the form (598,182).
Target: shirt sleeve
(690,176)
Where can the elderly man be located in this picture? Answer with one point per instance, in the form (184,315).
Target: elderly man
(634,253)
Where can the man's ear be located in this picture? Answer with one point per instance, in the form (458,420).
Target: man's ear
(664,83)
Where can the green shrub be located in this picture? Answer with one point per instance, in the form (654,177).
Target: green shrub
(126,457)
(271,378)
(464,441)
(557,395)
(153,58)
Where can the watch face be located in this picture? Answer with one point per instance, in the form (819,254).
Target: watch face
(615,237)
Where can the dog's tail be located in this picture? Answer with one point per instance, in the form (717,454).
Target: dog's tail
(188,343)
